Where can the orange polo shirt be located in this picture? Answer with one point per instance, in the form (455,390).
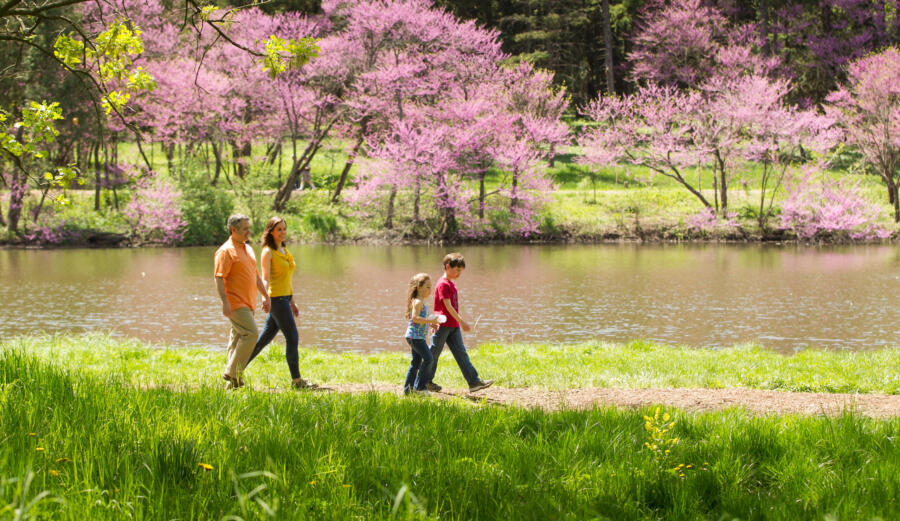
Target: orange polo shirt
(237,267)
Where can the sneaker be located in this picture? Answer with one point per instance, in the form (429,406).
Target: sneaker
(433,387)
(479,384)
(303,384)
(422,392)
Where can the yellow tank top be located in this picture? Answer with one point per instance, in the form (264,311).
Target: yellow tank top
(281,273)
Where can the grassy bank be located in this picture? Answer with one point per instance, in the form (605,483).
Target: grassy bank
(86,445)
(587,204)
(634,365)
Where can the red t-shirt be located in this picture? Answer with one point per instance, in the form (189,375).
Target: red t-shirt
(446,289)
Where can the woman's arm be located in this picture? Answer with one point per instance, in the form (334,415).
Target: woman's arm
(266,265)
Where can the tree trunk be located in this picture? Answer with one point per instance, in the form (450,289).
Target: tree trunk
(723,191)
(170,156)
(608,53)
(389,220)
(218,155)
(17,189)
(360,138)
(514,200)
(284,193)
(95,151)
(764,25)
(240,153)
(894,198)
(481,195)
(416,200)
(272,153)
(723,183)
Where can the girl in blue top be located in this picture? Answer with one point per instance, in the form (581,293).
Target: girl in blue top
(417,331)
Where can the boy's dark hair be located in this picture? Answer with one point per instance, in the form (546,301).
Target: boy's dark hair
(454,260)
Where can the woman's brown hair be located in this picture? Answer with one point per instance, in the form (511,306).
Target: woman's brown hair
(267,239)
(414,284)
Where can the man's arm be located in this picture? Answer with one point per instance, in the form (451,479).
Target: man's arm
(226,306)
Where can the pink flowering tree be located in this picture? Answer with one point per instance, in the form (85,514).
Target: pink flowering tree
(686,42)
(652,127)
(724,122)
(154,213)
(825,207)
(868,108)
(436,111)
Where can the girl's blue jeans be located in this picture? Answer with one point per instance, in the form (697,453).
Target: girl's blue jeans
(280,318)
(421,364)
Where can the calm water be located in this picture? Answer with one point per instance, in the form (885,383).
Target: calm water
(351,297)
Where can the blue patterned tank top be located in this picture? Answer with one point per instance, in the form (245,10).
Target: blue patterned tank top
(418,330)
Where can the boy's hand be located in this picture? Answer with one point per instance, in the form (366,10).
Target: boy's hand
(465,325)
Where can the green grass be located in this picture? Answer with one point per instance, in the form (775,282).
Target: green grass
(82,445)
(635,365)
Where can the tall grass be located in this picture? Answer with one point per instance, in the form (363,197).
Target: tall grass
(637,364)
(78,446)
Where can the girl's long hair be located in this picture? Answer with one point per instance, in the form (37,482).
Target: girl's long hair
(267,239)
(414,284)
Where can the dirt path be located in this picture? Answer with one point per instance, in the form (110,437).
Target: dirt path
(754,400)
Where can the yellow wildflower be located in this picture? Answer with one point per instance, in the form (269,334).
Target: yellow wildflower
(54,473)
(206,466)
(313,482)
(39,449)
(63,460)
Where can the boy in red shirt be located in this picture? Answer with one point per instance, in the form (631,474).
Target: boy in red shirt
(446,302)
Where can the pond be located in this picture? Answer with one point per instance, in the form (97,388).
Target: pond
(351,297)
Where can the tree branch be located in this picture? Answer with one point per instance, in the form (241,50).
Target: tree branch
(38,9)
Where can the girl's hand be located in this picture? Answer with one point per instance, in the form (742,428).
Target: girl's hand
(295,310)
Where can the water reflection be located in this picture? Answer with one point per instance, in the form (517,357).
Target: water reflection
(351,297)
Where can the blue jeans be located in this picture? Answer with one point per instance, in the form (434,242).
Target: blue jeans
(281,318)
(420,365)
(452,336)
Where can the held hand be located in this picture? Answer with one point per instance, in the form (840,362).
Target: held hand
(226,309)
(267,304)
(295,310)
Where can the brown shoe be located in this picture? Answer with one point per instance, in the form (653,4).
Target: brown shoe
(480,384)
(235,382)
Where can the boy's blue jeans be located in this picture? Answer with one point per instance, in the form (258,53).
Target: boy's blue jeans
(452,336)
(420,365)
(281,318)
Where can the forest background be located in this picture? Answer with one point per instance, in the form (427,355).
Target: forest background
(132,122)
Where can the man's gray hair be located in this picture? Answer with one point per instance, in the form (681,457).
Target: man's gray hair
(235,219)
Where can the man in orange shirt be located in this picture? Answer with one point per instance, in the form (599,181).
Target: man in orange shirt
(238,281)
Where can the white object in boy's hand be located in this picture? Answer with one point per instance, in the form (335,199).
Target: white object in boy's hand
(441,319)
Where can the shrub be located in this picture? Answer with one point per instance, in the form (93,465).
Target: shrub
(205,209)
(154,213)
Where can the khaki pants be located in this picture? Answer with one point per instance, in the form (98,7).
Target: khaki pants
(241,341)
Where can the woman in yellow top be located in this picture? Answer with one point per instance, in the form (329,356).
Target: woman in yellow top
(277,270)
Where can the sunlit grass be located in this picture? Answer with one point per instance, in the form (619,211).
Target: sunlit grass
(544,366)
(109,450)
